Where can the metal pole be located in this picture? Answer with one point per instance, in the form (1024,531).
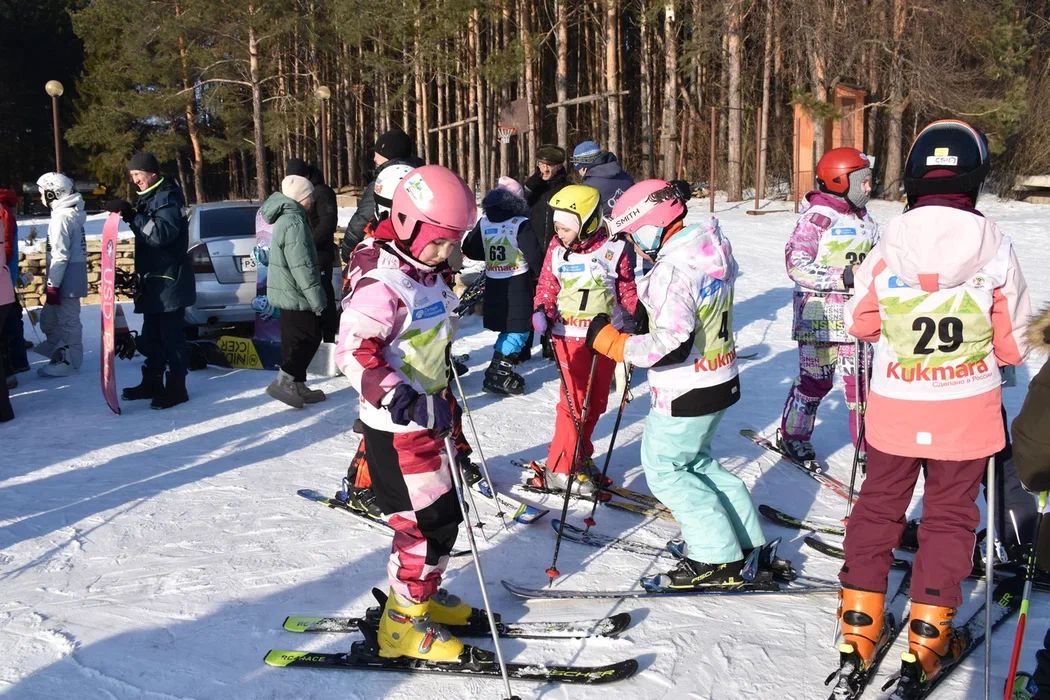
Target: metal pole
(989,574)
(758,149)
(711,166)
(54,128)
(457,480)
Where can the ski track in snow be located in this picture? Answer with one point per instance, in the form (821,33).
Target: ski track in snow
(155,554)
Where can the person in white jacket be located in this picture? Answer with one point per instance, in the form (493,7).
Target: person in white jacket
(66,276)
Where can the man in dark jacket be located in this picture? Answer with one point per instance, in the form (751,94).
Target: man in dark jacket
(1031,447)
(600,170)
(165,280)
(548,178)
(395,146)
(322,217)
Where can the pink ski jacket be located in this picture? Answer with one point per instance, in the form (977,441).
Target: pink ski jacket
(943,299)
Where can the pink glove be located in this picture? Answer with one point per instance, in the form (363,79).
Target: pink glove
(539,321)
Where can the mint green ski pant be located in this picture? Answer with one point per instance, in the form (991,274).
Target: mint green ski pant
(712,506)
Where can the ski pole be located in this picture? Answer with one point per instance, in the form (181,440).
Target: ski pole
(624,400)
(477,443)
(1022,618)
(989,575)
(458,483)
(861,362)
(552,571)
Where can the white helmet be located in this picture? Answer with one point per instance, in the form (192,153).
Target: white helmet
(386,183)
(54,186)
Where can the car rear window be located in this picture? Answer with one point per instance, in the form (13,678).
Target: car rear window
(228,222)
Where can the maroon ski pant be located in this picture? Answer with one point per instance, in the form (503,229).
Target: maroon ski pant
(946,537)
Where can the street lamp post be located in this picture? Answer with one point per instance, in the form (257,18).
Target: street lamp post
(55,89)
(323,94)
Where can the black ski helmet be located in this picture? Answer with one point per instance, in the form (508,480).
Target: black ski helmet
(946,145)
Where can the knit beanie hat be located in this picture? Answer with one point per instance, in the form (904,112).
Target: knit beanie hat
(394,144)
(511,185)
(297,166)
(427,233)
(296,187)
(585,154)
(144,161)
(550,154)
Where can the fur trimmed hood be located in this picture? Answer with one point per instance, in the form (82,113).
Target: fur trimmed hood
(1039,329)
(500,205)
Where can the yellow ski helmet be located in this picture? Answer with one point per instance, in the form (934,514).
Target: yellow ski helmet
(584,202)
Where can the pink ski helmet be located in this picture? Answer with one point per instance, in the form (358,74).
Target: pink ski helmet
(645,210)
(434,195)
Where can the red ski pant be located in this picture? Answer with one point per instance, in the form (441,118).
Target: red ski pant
(574,358)
(946,537)
(413,486)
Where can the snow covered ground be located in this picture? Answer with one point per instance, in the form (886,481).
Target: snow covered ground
(155,554)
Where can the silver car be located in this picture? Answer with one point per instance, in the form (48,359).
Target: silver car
(222,236)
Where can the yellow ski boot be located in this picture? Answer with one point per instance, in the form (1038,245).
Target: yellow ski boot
(405,629)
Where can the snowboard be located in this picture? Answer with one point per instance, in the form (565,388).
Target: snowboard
(107,292)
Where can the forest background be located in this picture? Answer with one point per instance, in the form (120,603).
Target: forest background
(224,92)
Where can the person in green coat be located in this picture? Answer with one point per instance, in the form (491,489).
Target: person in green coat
(293,285)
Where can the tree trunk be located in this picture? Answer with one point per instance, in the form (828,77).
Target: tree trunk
(735,42)
(669,124)
(561,72)
(767,69)
(262,182)
(645,92)
(898,104)
(612,69)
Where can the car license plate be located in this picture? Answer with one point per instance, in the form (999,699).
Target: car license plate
(246,264)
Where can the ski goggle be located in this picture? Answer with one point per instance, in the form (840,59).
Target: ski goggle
(648,237)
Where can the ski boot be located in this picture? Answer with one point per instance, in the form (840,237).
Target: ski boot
(471,472)
(797,449)
(865,631)
(448,609)
(500,377)
(546,480)
(932,644)
(691,574)
(406,630)
(591,469)
(780,568)
(1024,687)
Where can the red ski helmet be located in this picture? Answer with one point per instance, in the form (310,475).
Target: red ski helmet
(841,172)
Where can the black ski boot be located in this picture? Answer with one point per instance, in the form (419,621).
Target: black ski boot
(152,386)
(799,450)
(500,377)
(363,500)
(471,472)
(695,574)
(768,560)
(173,394)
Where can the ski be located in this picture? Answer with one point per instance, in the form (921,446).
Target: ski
(781,518)
(812,468)
(852,679)
(519,511)
(648,500)
(832,550)
(476,662)
(1007,597)
(595,539)
(641,509)
(601,627)
(602,497)
(802,585)
(375,523)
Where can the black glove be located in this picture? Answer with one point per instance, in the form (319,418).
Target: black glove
(598,323)
(847,277)
(122,207)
